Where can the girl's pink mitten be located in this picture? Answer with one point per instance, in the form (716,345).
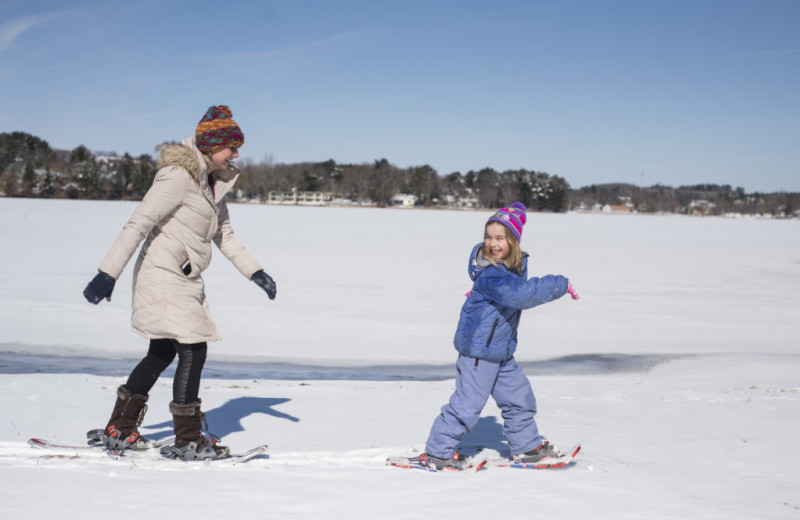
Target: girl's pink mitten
(571,291)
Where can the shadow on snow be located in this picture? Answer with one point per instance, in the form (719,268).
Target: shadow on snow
(227,419)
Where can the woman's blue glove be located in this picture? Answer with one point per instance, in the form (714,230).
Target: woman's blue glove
(100,287)
(264,281)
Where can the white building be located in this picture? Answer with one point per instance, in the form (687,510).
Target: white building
(406,201)
(294,197)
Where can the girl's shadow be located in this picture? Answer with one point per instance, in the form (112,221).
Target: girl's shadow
(488,433)
(227,418)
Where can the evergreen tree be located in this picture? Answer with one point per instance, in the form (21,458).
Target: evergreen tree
(84,170)
(49,185)
(28,179)
(310,182)
(422,184)
(486,183)
(122,181)
(143,176)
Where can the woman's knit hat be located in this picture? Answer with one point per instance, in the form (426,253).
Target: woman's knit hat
(217,130)
(512,217)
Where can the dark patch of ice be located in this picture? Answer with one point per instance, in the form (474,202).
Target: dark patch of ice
(581,364)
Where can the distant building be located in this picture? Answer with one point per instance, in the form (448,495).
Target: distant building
(404,200)
(616,209)
(294,197)
(701,207)
(466,202)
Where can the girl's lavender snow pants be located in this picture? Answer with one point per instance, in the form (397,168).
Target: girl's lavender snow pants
(475,382)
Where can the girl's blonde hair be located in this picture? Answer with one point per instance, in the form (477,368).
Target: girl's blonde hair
(512,261)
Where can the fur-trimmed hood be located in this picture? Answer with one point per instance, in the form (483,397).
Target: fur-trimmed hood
(187,156)
(179,154)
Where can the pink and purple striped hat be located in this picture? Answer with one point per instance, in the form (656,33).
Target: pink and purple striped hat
(512,217)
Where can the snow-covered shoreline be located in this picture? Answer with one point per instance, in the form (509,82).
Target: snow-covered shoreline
(677,369)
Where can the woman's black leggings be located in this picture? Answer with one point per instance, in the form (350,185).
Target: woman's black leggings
(186,384)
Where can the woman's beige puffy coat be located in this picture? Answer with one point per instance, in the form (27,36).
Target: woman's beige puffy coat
(178,219)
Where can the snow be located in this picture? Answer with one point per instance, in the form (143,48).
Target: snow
(677,368)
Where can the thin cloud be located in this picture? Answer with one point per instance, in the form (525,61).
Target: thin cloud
(13,29)
(342,37)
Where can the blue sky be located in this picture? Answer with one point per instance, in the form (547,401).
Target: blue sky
(675,92)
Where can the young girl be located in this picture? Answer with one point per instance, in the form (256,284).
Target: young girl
(486,339)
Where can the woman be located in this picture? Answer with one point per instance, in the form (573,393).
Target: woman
(179,217)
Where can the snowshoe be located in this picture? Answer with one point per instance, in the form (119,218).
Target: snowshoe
(544,452)
(457,462)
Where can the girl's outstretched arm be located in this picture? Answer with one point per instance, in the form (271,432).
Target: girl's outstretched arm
(518,293)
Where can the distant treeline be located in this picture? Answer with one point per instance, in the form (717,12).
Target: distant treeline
(700,199)
(31,168)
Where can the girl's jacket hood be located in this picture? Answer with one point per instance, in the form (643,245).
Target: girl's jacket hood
(478,263)
(487,328)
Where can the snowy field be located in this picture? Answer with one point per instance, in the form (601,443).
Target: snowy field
(678,369)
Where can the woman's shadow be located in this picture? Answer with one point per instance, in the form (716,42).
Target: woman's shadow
(227,418)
